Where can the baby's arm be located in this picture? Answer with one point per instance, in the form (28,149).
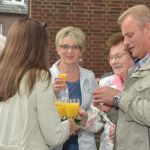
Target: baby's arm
(95,121)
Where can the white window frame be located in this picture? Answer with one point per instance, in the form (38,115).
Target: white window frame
(1,29)
(14,2)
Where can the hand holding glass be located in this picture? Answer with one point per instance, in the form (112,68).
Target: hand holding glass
(68,109)
(63,76)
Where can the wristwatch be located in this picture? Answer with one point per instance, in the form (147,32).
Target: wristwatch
(116,101)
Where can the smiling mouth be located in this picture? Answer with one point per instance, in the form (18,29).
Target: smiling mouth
(130,48)
(117,67)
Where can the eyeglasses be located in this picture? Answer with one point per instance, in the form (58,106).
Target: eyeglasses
(67,47)
(116,57)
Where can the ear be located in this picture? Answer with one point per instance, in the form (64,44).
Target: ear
(147,26)
(147,29)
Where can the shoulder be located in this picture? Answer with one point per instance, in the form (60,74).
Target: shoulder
(106,74)
(40,76)
(86,71)
(54,66)
(86,74)
(54,70)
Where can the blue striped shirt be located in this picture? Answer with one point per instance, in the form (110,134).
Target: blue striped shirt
(139,63)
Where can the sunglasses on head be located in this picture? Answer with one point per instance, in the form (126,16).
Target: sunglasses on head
(43,24)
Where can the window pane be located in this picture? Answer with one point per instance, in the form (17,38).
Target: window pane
(14,1)
(1,29)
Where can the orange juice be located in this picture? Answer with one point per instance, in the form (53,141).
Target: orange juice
(63,76)
(71,109)
(60,106)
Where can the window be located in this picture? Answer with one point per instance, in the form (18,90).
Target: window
(1,29)
(14,1)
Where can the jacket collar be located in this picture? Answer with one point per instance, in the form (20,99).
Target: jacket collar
(54,72)
(143,71)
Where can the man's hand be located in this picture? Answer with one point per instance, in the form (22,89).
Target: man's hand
(104,95)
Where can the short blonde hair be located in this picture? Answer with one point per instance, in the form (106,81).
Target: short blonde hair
(2,42)
(76,34)
(139,12)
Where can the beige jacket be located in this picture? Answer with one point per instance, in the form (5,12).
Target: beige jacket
(31,122)
(134,114)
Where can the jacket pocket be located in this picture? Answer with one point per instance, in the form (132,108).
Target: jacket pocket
(143,84)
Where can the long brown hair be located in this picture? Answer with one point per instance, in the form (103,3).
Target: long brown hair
(26,50)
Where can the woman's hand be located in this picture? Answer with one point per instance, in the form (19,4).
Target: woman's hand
(84,116)
(59,85)
(73,126)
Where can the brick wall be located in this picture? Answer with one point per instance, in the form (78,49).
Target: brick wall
(97,18)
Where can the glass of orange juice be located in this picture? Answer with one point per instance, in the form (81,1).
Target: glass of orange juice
(72,108)
(60,106)
(63,76)
(63,93)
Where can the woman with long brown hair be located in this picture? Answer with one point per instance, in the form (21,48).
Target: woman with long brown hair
(28,118)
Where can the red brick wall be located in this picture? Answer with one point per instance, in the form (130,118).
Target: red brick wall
(97,18)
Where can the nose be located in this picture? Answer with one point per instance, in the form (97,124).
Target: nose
(126,42)
(70,49)
(127,45)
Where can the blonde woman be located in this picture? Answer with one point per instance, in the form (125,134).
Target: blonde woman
(70,44)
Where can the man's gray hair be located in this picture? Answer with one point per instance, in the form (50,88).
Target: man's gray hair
(139,12)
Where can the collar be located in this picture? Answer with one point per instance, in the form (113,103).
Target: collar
(138,63)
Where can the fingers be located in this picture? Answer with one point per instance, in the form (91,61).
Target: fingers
(84,116)
(73,126)
(104,95)
(102,107)
(106,108)
(98,95)
(59,85)
(99,106)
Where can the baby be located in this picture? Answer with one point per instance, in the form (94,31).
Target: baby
(98,120)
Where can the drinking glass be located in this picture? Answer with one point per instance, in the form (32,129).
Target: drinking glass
(63,76)
(72,109)
(63,94)
(60,106)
